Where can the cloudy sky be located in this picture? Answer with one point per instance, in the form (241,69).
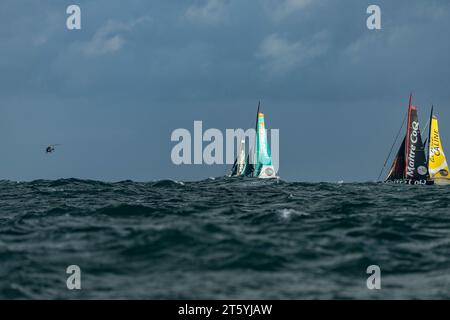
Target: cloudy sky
(113,92)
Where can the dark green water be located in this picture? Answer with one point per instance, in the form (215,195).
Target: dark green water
(223,238)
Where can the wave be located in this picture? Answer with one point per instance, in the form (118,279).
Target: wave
(234,235)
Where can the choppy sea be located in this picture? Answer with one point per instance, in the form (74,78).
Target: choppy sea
(223,238)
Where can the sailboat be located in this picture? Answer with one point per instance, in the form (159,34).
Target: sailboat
(410,164)
(259,160)
(437,162)
(239,164)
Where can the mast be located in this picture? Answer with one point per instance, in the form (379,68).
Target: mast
(255,155)
(429,140)
(257,114)
(408,124)
(392,148)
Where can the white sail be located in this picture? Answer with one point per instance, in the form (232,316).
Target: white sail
(241,159)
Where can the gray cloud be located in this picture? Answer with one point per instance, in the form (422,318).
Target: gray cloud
(281,9)
(210,12)
(112,92)
(281,56)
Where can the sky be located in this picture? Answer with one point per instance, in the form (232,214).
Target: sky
(113,92)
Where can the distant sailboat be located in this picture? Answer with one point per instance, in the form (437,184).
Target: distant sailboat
(437,162)
(259,160)
(239,163)
(410,164)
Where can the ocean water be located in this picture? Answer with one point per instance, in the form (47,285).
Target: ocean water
(223,239)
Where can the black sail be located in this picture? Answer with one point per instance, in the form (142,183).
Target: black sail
(249,168)
(397,171)
(234,169)
(416,162)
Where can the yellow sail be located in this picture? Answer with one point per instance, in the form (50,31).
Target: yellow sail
(437,166)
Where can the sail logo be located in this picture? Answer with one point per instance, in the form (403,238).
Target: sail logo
(412,149)
(190,148)
(435,143)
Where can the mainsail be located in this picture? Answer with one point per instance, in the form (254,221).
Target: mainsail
(410,164)
(263,159)
(437,163)
(415,159)
(249,170)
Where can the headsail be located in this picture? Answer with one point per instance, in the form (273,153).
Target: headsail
(397,171)
(239,163)
(415,159)
(437,163)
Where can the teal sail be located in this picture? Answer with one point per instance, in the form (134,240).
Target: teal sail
(263,160)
